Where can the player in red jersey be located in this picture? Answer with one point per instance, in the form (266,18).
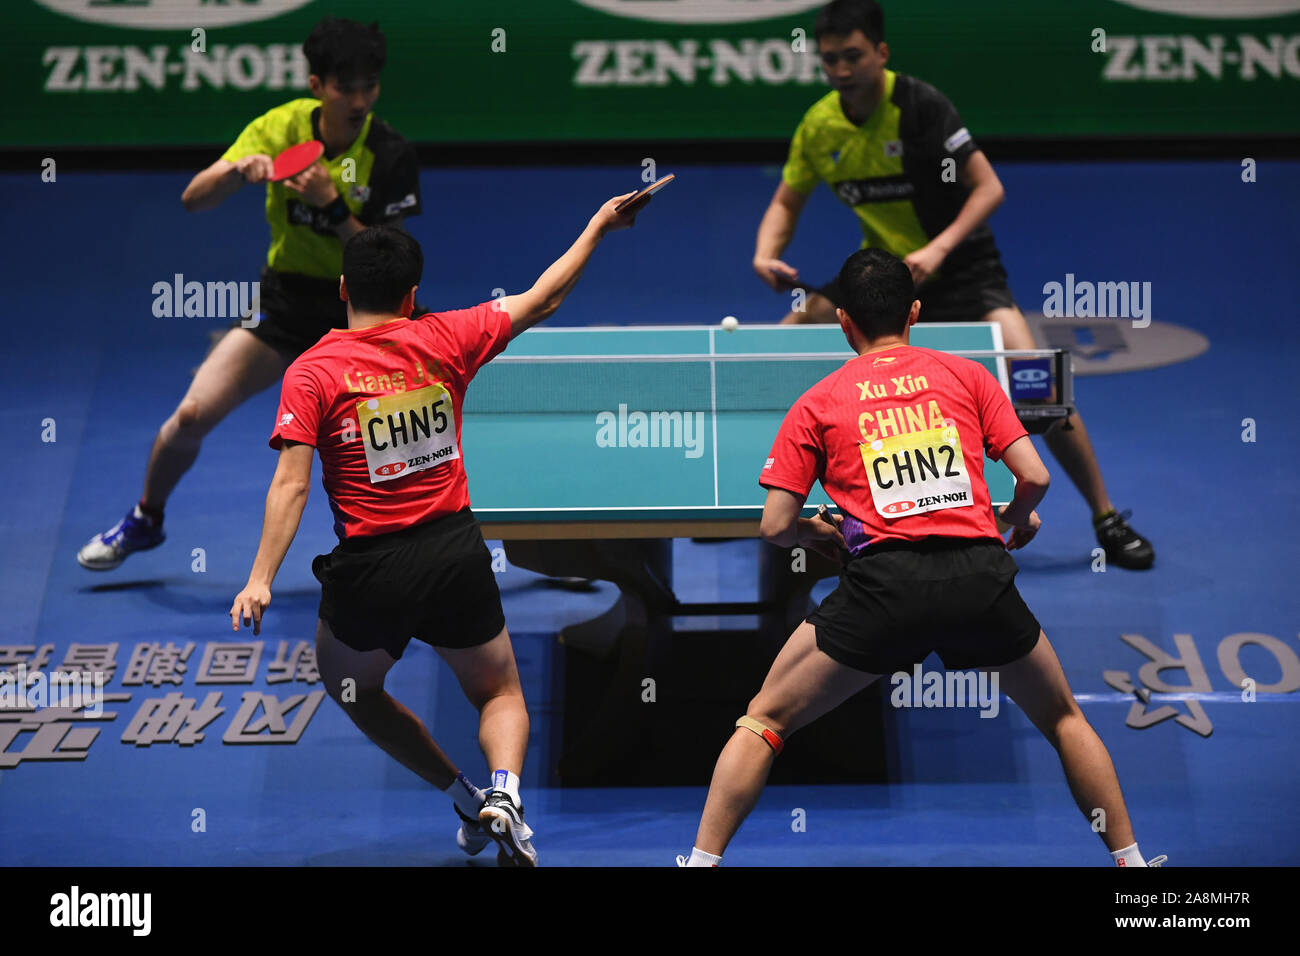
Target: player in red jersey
(381,401)
(897,438)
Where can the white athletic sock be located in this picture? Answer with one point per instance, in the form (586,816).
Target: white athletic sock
(467,797)
(700,858)
(507,781)
(1129,856)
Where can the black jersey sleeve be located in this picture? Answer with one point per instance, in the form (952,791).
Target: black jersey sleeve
(936,128)
(394,181)
(934,141)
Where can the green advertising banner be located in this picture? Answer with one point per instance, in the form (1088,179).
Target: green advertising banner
(108,73)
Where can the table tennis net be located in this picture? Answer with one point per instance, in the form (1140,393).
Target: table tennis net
(667,383)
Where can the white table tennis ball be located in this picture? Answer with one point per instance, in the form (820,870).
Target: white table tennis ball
(730,323)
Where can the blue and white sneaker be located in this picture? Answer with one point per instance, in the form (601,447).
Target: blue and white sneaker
(133,533)
(504,822)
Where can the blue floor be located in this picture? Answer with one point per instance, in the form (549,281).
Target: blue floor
(84,350)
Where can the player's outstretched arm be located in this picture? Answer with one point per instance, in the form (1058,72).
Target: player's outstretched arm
(1032,480)
(223,179)
(774,234)
(284,505)
(544,298)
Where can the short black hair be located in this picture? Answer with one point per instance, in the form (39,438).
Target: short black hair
(345,49)
(878,292)
(841,17)
(380,265)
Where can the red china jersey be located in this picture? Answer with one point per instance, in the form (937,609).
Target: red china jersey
(382,406)
(898,438)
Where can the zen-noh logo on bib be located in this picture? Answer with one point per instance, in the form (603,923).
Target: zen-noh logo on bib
(898,507)
(171,14)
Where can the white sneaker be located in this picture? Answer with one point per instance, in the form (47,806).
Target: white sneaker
(106,551)
(504,822)
(470,836)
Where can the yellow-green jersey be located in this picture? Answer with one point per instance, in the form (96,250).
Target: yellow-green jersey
(378,177)
(899,171)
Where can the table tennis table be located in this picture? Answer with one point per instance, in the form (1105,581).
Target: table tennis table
(654,431)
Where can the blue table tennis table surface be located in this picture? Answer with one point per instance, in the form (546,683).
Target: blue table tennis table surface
(655,425)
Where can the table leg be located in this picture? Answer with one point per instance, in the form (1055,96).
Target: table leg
(642,568)
(607,723)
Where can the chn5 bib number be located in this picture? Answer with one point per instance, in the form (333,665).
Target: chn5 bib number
(407,433)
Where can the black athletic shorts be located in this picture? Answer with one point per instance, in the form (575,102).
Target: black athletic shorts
(432,582)
(296,311)
(898,601)
(964,292)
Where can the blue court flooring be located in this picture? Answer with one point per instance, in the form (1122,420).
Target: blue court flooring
(84,351)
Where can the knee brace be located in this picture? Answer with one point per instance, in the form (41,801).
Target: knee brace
(768,734)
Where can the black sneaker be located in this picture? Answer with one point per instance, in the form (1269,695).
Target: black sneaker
(1122,544)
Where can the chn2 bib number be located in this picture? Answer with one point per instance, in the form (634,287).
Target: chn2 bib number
(917,472)
(407,433)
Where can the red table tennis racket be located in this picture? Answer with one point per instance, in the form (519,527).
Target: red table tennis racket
(296,159)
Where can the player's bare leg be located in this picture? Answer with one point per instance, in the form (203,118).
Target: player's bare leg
(818,310)
(240,366)
(490,680)
(377,714)
(1037,685)
(803,684)
(1071,447)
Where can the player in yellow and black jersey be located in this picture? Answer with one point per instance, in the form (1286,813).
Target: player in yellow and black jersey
(893,149)
(367,176)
